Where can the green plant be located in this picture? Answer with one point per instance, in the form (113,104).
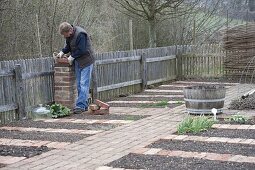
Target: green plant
(58,110)
(238,119)
(194,124)
(163,103)
(160,104)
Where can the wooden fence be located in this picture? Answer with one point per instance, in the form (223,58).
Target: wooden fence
(24,86)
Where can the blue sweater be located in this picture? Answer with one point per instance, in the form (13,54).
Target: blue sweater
(81,43)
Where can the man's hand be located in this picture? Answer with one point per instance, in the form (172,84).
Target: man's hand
(70,60)
(60,54)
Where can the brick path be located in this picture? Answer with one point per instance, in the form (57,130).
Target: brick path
(107,146)
(97,150)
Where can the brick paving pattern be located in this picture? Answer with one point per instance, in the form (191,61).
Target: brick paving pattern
(96,151)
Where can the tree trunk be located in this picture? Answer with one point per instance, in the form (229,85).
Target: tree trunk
(251,4)
(152,33)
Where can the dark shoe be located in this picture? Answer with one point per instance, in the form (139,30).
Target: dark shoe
(78,111)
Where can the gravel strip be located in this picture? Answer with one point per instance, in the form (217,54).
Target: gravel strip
(145,105)
(153,162)
(171,87)
(230,133)
(196,146)
(63,125)
(151,99)
(109,116)
(44,136)
(249,122)
(22,151)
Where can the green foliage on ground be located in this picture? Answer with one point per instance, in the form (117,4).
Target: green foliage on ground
(238,119)
(160,104)
(58,110)
(194,125)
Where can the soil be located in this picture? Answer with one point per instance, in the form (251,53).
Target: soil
(22,151)
(248,122)
(243,104)
(144,105)
(63,125)
(2,165)
(229,133)
(152,162)
(108,117)
(55,137)
(196,146)
(151,99)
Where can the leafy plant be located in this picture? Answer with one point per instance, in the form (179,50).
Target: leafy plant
(238,119)
(58,110)
(194,124)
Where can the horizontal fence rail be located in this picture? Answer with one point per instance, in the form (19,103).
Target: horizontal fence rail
(23,85)
(26,83)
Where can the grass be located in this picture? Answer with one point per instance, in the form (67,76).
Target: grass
(194,125)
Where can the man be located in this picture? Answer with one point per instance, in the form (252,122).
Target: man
(78,43)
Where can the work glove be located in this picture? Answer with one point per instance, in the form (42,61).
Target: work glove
(70,60)
(60,54)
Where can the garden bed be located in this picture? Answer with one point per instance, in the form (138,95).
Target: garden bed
(229,133)
(198,146)
(22,151)
(63,125)
(54,137)
(145,105)
(152,162)
(108,117)
(150,99)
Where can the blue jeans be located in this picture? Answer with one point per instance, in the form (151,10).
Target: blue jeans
(83,76)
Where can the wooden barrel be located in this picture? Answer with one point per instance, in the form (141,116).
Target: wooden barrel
(202,98)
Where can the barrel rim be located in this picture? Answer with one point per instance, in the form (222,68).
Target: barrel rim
(205,87)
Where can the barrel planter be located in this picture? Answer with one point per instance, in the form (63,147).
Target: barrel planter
(202,98)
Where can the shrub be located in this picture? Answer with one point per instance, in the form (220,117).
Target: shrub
(194,125)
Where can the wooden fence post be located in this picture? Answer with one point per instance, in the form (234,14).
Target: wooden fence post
(179,64)
(94,83)
(20,98)
(144,71)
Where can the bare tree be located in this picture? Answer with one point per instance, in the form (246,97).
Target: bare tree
(154,11)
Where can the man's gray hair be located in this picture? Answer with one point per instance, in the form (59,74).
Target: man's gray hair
(64,27)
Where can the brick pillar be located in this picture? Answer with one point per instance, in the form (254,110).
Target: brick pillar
(64,83)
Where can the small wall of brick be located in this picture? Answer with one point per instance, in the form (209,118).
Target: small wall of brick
(64,85)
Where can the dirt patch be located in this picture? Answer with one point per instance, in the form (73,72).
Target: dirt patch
(248,122)
(243,103)
(108,117)
(151,99)
(152,162)
(55,137)
(197,146)
(229,133)
(22,151)
(2,165)
(144,105)
(63,125)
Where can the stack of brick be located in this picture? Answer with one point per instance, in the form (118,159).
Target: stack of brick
(65,87)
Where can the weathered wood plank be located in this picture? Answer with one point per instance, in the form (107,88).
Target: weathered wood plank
(35,75)
(118,60)
(6,108)
(20,92)
(157,59)
(119,85)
